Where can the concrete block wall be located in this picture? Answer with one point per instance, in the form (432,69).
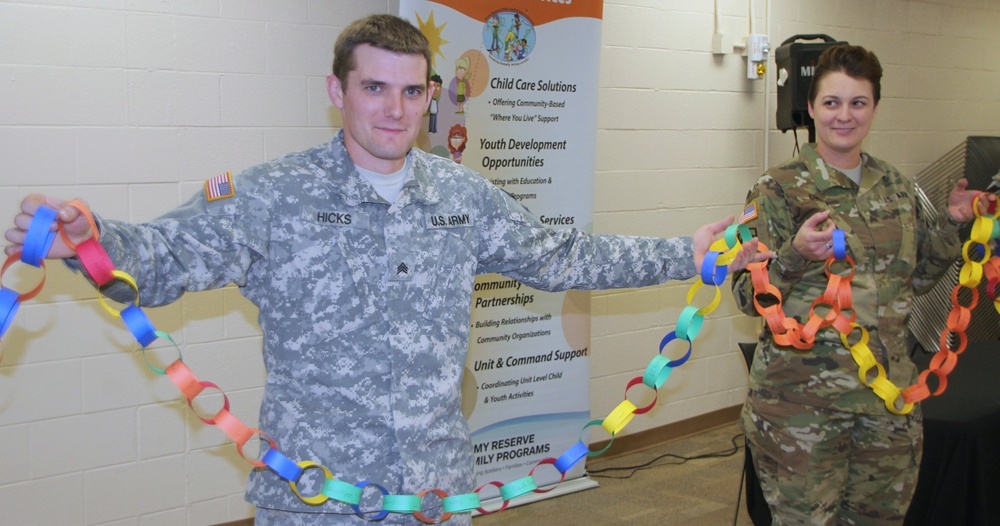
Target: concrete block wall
(133,104)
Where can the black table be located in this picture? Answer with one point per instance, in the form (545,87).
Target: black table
(959,479)
(959,482)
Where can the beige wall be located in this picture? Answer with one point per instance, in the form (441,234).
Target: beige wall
(131,105)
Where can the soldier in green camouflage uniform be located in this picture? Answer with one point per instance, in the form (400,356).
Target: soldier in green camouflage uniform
(826,449)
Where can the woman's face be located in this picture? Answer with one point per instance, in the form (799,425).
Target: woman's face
(843,111)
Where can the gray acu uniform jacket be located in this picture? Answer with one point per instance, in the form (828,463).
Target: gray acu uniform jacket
(365,305)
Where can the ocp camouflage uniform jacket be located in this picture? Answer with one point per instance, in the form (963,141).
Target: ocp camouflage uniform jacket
(897,250)
(365,306)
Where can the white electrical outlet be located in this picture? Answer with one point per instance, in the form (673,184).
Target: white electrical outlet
(757,50)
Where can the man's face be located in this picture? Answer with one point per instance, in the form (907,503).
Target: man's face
(382,105)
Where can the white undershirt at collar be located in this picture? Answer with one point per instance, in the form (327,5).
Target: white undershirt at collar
(387,186)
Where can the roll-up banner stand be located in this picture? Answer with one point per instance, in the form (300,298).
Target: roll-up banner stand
(517,102)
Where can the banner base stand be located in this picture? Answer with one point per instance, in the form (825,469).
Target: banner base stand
(565,488)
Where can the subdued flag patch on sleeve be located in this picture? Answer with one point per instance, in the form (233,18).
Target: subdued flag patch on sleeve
(749,213)
(220,187)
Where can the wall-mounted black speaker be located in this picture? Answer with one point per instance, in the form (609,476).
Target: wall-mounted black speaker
(796,62)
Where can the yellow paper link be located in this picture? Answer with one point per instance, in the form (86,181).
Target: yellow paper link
(884,388)
(726,253)
(865,359)
(727,257)
(982,230)
(887,391)
(987,253)
(708,308)
(619,418)
(719,245)
(975,204)
(891,406)
(319,498)
(880,385)
(122,276)
(864,336)
(971,274)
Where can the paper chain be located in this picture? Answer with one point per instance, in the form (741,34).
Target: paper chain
(836,299)
(101,270)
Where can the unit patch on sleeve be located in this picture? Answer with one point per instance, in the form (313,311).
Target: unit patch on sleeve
(749,213)
(220,187)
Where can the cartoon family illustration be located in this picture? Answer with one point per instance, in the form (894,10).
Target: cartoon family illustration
(508,37)
(458,93)
(518,36)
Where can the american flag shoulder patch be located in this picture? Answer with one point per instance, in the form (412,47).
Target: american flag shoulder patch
(749,213)
(220,187)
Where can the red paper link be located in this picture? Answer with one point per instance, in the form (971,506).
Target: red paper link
(25,296)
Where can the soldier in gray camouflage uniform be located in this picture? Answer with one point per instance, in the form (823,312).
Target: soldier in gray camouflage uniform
(361,255)
(826,449)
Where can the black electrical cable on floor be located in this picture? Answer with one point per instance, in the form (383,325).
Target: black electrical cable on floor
(682,459)
(653,463)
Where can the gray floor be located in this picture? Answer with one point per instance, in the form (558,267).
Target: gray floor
(697,492)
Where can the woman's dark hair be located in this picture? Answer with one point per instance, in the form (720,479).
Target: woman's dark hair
(854,61)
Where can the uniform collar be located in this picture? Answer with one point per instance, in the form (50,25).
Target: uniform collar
(827,176)
(420,186)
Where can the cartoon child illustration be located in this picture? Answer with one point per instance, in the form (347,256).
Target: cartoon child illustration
(432,110)
(462,89)
(457,138)
(509,43)
(522,48)
(495,27)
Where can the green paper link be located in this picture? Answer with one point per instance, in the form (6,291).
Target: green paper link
(152,367)
(744,232)
(657,372)
(730,236)
(689,323)
(512,490)
(401,503)
(463,503)
(342,491)
(592,423)
(732,231)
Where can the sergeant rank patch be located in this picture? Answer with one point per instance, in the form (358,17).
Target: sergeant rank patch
(220,187)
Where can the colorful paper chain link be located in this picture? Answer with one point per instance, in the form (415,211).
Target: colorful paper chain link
(99,267)
(834,308)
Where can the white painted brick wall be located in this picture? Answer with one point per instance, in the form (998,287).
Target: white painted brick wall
(131,105)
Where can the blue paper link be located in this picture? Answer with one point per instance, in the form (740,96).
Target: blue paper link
(8,308)
(710,273)
(671,336)
(357,509)
(839,244)
(282,465)
(40,237)
(572,455)
(139,325)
